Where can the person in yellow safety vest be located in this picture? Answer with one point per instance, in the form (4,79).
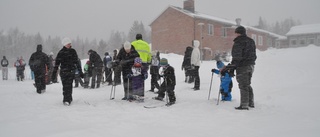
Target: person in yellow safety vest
(143,49)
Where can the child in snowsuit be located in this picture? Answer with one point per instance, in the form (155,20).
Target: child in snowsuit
(168,83)
(138,76)
(154,71)
(226,81)
(87,74)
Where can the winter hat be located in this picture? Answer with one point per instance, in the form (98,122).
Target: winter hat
(66,41)
(163,62)
(127,45)
(106,54)
(240,30)
(137,62)
(88,62)
(51,53)
(220,64)
(39,47)
(138,36)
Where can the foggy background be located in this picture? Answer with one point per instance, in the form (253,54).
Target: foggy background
(104,25)
(97,18)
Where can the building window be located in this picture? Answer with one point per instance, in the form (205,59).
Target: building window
(210,29)
(311,41)
(224,32)
(254,37)
(260,40)
(293,42)
(302,41)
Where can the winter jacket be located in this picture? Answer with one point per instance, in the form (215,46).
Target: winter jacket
(127,59)
(4,62)
(169,76)
(106,60)
(186,64)
(95,59)
(154,69)
(143,49)
(39,61)
(195,55)
(67,59)
(243,51)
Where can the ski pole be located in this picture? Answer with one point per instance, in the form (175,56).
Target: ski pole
(210,86)
(128,89)
(218,98)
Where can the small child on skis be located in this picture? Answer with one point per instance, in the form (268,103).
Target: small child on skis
(138,76)
(226,81)
(168,83)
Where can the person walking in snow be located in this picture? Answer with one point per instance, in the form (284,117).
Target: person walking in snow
(168,84)
(186,65)
(116,69)
(108,72)
(4,64)
(67,59)
(138,76)
(154,71)
(50,68)
(38,63)
(195,64)
(96,65)
(225,81)
(243,61)
(126,57)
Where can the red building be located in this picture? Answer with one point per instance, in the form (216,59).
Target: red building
(175,28)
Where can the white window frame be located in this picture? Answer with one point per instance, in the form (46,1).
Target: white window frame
(254,37)
(224,32)
(260,40)
(210,29)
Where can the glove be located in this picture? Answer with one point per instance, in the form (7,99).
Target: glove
(215,71)
(231,66)
(192,66)
(129,76)
(145,76)
(81,74)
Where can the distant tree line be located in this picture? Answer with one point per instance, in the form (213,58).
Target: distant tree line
(280,27)
(15,43)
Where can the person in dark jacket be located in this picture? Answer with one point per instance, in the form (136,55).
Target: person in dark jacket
(243,61)
(96,65)
(38,63)
(4,64)
(126,57)
(67,59)
(50,68)
(116,69)
(168,84)
(108,72)
(77,78)
(186,65)
(20,64)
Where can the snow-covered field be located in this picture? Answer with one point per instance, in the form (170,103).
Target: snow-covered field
(286,87)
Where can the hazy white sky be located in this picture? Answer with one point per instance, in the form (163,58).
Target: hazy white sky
(97,18)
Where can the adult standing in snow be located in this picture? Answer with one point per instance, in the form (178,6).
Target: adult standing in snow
(67,59)
(126,57)
(116,69)
(38,63)
(96,65)
(195,64)
(4,64)
(108,73)
(186,65)
(243,61)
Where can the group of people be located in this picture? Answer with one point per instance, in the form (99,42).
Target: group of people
(133,61)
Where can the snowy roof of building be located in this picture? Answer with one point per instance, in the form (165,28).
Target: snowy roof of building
(225,21)
(304,29)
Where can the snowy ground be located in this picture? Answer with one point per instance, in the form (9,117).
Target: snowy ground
(286,86)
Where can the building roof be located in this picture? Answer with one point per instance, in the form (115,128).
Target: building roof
(224,21)
(304,29)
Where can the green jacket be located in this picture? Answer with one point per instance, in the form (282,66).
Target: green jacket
(143,49)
